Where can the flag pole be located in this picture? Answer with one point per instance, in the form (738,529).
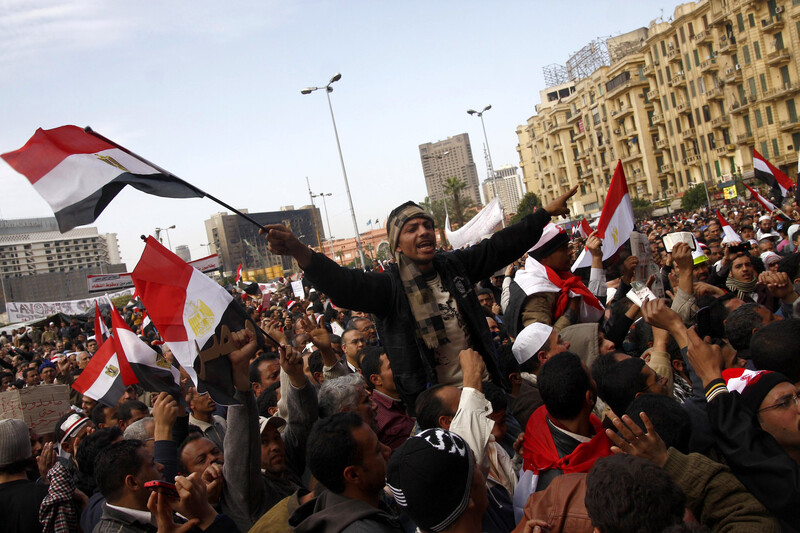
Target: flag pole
(90,131)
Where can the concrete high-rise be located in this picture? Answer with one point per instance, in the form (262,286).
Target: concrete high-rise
(450,158)
(509,188)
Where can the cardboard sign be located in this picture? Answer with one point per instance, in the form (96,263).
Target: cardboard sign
(640,247)
(297,289)
(40,407)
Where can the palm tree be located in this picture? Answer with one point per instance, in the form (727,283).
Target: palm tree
(453,186)
(340,255)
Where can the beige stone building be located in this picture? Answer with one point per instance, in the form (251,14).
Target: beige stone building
(683,102)
(450,158)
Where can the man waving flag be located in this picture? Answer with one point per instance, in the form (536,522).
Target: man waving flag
(616,220)
(771,175)
(78,173)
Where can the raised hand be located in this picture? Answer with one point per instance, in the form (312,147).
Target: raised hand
(292,364)
(559,206)
(632,440)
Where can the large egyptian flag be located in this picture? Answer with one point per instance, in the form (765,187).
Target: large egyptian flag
(153,372)
(105,377)
(771,175)
(616,220)
(195,317)
(100,328)
(727,231)
(78,174)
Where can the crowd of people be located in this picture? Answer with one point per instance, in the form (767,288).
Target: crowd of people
(487,389)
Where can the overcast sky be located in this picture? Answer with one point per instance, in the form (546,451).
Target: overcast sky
(211,92)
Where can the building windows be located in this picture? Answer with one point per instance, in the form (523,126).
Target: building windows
(746,52)
(769,115)
(775,150)
(759,120)
(757,49)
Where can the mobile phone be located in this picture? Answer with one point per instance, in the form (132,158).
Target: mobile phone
(163,487)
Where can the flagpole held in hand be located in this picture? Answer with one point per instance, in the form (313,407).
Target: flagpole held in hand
(89,130)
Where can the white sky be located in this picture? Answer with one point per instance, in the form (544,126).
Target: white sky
(211,92)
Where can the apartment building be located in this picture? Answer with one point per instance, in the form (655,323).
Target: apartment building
(682,103)
(450,158)
(509,188)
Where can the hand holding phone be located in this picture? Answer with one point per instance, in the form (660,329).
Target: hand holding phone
(162,487)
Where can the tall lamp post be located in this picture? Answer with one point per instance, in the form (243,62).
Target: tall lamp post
(165,230)
(327,220)
(489,152)
(328,90)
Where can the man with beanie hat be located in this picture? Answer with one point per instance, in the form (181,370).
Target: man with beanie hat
(19,498)
(435,479)
(425,304)
(755,417)
(546,291)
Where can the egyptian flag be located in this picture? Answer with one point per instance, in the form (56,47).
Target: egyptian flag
(584,228)
(238,274)
(727,230)
(766,204)
(78,174)
(771,175)
(616,220)
(100,328)
(152,370)
(105,377)
(195,317)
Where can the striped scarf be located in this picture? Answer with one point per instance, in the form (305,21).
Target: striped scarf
(430,326)
(741,288)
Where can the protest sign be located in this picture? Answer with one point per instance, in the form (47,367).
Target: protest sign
(110,282)
(40,407)
(640,247)
(297,289)
(25,311)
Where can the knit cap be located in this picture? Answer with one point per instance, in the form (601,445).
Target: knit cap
(752,385)
(15,441)
(430,476)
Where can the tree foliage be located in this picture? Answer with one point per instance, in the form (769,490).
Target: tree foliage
(694,198)
(526,206)
(641,208)
(453,187)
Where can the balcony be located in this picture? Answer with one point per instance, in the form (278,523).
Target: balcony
(673,54)
(778,57)
(702,37)
(744,138)
(727,46)
(661,144)
(683,107)
(630,157)
(657,118)
(708,65)
(788,89)
(790,126)
(718,17)
(736,108)
(678,79)
(624,111)
(733,74)
(720,121)
(649,70)
(772,25)
(692,160)
(721,150)
(715,93)
(665,168)
(652,94)
(557,147)
(689,133)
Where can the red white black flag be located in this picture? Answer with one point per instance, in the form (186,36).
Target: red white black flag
(195,317)
(105,377)
(78,174)
(771,175)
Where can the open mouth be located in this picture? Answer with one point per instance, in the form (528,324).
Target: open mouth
(425,246)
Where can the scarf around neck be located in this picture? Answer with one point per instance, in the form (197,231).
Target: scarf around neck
(430,325)
(741,288)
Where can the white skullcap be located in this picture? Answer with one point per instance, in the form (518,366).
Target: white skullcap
(530,340)
(764,217)
(769,258)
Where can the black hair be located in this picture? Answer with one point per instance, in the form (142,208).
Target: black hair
(495,395)
(670,420)
(88,449)
(508,363)
(563,383)
(658,503)
(791,264)
(774,347)
(99,414)
(740,325)
(315,363)
(268,399)
(29,463)
(113,464)
(429,407)
(124,411)
(255,373)
(332,448)
(190,437)
(371,363)
(621,383)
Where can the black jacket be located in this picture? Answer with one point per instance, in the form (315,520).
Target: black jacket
(413,363)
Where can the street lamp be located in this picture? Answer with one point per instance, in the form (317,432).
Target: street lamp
(165,230)
(327,220)
(208,247)
(328,90)
(489,152)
